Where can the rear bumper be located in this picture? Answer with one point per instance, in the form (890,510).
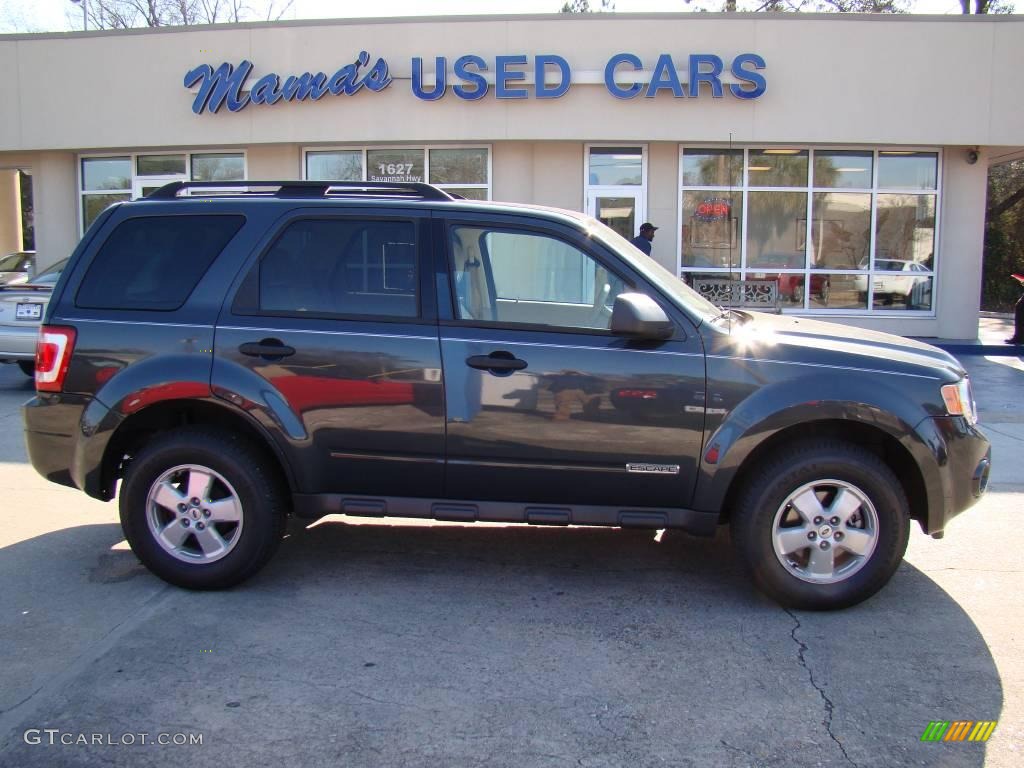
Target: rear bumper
(964,458)
(66,436)
(18,342)
(51,426)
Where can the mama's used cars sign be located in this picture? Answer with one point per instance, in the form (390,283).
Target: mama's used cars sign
(472,77)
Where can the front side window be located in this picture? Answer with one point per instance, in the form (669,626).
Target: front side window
(527,278)
(331,267)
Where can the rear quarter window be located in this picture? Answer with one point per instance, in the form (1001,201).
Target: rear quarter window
(155,262)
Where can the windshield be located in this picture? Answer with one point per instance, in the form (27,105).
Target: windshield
(11,262)
(699,307)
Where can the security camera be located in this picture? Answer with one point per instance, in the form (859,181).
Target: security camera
(972,156)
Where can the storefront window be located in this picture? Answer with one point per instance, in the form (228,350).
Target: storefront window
(776,226)
(842,169)
(841,230)
(905,231)
(907,170)
(713,168)
(109,180)
(463,171)
(160,165)
(469,193)
(105,181)
(711,225)
(615,166)
(103,173)
(395,165)
(218,167)
(458,166)
(94,205)
(839,291)
(871,242)
(777,168)
(342,165)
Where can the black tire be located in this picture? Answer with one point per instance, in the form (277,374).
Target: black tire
(825,292)
(28,367)
(252,487)
(753,524)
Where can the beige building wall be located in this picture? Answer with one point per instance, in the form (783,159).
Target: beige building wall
(274,161)
(55,192)
(928,80)
(962,237)
(943,82)
(545,174)
(662,205)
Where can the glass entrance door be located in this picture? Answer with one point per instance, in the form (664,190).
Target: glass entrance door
(622,209)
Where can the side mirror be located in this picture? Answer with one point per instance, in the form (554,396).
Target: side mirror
(639,316)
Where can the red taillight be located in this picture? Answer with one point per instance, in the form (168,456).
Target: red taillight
(53,355)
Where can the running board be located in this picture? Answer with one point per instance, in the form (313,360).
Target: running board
(312,506)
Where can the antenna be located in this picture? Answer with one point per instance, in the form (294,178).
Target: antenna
(728,230)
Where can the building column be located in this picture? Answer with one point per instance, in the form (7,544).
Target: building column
(55,193)
(10,212)
(962,234)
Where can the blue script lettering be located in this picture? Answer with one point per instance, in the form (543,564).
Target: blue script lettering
(220,85)
(226,84)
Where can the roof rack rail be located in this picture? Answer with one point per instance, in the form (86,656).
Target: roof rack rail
(309,189)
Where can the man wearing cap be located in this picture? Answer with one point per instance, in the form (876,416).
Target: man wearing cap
(643,240)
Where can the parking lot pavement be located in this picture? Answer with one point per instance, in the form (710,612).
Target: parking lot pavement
(405,644)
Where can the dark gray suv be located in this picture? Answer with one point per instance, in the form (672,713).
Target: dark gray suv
(308,348)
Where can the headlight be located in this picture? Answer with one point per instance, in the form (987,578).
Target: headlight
(959,400)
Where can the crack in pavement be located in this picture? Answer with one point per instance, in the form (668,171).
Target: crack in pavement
(727,745)
(829,705)
(1004,434)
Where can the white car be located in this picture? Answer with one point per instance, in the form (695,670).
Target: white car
(897,280)
(21,310)
(17,267)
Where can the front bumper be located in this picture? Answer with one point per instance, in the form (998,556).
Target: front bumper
(964,458)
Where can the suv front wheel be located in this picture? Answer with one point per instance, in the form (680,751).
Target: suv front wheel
(825,526)
(199,509)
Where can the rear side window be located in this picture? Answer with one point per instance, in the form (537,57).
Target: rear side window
(330,267)
(155,262)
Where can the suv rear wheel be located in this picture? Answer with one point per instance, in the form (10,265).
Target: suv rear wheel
(200,510)
(823,527)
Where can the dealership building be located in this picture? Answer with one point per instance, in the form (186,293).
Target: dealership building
(842,157)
